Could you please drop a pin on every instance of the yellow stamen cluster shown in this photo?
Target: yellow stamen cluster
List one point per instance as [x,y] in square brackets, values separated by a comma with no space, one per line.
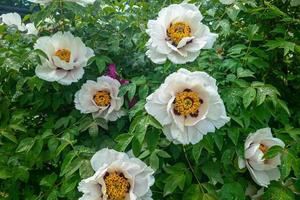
[117,186]
[63,54]
[102,98]
[177,31]
[187,103]
[263,148]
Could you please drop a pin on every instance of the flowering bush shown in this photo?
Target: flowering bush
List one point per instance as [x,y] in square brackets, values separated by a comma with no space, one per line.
[142,100]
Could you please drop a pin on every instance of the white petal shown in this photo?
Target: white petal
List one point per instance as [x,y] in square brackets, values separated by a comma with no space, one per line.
[106,157]
[90,188]
[274,174]
[159,112]
[194,135]
[83,100]
[195,46]
[184,41]
[44,44]
[156,57]
[113,116]
[49,74]
[205,126]
[260,177]
[31,29]
[13,19]
[272,142]
[72,76]
[251,150]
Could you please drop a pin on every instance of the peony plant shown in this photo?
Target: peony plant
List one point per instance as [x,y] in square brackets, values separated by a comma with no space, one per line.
[142,100]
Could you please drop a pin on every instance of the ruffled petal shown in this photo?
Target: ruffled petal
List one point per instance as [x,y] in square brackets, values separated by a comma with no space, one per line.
[106,157]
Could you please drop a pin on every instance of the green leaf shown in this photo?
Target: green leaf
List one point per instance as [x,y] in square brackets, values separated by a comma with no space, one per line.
[193,193]
[251,31]
[49,180]
[9,135]
[272,152]
[93,130]
[208,197]
[72,168]
[261,96]
[153,122]
[152,140]
[249,96]
[280,43]
[162,154]
[35,83]
[101,62]
[208,143]
[241,73]
[128,88]
[278,193]
[218,140]
[123,141]
[141,80]
[213,171]
[67,162]
[25,145]
[230,191]
[290,161]
[68,185]
[284,106]
[234,134]
[172,182]
[196,151]
[53,195]
[154,161]
[86,169]
[237,49]
[5,172]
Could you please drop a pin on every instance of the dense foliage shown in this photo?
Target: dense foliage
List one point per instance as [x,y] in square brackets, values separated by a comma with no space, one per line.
[46,144]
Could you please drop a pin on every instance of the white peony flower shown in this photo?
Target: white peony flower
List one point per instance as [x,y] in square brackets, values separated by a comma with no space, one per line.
[178,34]
[14,19]
[188,106]
[81,2]
[66,57]
[100,98]
[262,170]
[117,176]
[227,2]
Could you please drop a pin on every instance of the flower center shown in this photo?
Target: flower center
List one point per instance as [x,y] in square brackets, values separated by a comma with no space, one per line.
[187,103]
[63,54]
[177,31]
[117,186]
[102,98]
[263,148]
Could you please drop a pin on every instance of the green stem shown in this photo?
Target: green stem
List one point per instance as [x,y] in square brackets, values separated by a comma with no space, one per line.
[192,169]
